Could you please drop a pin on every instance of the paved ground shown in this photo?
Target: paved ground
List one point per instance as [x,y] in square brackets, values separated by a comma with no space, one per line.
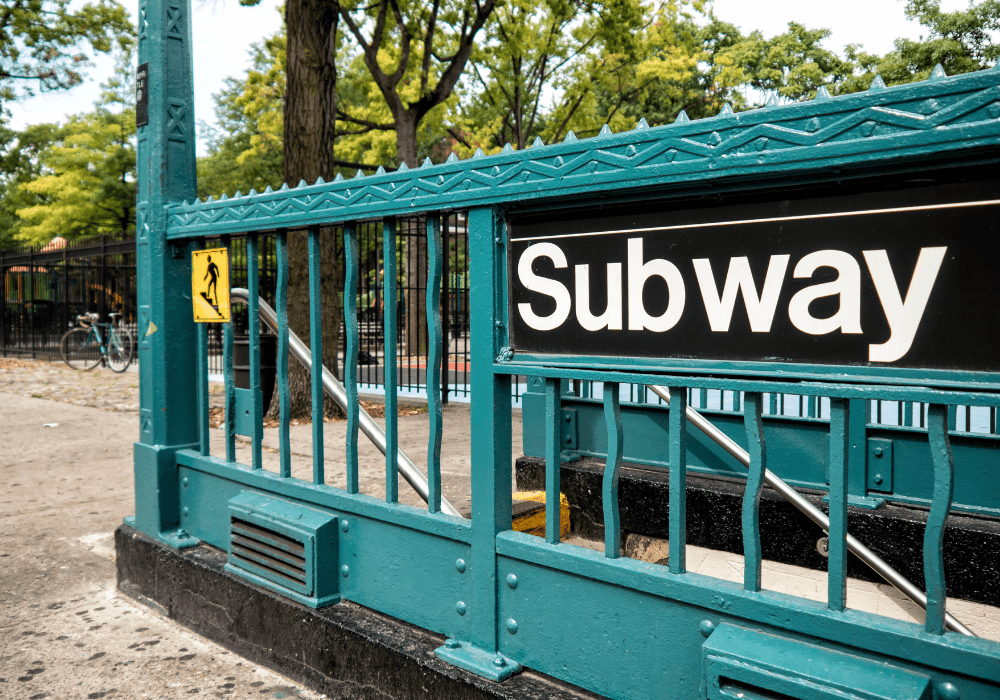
[65,465]
[66,468]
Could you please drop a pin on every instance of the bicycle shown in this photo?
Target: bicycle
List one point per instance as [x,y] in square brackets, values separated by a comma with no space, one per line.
[84,347]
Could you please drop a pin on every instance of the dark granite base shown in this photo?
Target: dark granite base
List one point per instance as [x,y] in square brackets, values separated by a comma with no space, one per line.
[895,533]
[345,651]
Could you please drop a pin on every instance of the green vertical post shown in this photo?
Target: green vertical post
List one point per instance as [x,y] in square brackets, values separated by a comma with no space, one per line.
[166,330]
[203,427]
[757,448]
[253,323]
[612,469]
[316,355]
[553,459]
[491,425]
[938,418]
[227,373]
[435,351]
[284,398]
[840,416]
[677,512]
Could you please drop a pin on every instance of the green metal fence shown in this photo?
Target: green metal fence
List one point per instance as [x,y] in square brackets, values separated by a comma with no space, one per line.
[619,627]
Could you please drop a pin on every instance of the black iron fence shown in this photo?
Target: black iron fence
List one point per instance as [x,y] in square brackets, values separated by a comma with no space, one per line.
[411,285]
[44,289]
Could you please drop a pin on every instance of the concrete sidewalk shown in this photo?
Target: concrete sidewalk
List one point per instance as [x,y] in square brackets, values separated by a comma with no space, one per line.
[65,631]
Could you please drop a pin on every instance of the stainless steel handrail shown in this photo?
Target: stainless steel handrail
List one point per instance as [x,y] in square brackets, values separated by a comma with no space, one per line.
[338,393]
[862,552]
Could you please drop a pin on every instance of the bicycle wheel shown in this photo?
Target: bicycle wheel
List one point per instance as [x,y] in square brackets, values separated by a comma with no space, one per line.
[119,349]
[80,349]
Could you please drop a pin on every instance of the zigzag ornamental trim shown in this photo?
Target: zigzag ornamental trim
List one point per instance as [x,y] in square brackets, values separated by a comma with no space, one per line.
[882,125]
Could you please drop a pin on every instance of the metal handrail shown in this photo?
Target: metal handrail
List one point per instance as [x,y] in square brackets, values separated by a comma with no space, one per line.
[338,393]
[877,564]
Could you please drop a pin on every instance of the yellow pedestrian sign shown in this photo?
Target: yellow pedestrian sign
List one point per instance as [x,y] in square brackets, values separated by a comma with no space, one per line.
[210,285]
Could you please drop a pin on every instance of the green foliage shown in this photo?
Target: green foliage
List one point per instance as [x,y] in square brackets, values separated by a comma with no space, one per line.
[40,42]
[82,175]
[961,41]
[245,148]
[19,165]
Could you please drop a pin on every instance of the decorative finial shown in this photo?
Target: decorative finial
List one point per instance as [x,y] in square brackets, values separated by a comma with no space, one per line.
[570,137]
[726,110]
[507,148]
[772,101]
[252,192]
[402,167]
[452,158]
[338,178]
[537,142]
[302,183]
[358,175]
[822,93]
[427,163]
[605,131]
[320,181]
[284,185]
[268,190]
[877,84]
[479,153]
[380,171]
[641,125]
[682,117]
[938,73]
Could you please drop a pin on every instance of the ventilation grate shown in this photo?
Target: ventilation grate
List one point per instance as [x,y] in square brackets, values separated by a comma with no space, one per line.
[282,557]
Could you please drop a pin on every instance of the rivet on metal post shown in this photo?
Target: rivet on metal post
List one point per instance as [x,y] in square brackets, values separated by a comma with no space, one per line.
[512,625]
[460,607]
[512,580]
[344,525]
[345,570]
[460,565]
[706,627]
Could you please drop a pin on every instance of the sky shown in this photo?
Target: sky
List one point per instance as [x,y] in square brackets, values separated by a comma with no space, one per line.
[223,32]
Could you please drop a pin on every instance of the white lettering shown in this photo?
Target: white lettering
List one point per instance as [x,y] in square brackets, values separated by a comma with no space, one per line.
[638,273]
[847,286]
[760,310]
[612,317]
[543,285]
[903,316]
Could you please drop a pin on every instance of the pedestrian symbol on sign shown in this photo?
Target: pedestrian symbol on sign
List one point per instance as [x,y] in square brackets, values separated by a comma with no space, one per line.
[210,285]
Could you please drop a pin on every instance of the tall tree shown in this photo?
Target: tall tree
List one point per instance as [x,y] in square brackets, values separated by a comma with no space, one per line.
[40,42]
[19,165]
[416,53]
[87,179]
[533,50]
[961,41]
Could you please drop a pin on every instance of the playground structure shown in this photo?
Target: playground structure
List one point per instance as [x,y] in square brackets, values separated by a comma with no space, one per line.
[765,186]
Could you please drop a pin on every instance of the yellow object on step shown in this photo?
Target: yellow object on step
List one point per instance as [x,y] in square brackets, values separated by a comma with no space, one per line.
[528,513]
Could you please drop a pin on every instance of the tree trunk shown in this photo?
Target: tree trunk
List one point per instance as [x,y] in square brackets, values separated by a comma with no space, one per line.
[310,106]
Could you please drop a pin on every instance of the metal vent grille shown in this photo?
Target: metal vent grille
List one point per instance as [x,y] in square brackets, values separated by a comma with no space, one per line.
[282,557]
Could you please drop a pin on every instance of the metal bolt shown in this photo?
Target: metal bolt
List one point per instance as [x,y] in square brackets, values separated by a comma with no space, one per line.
[460,607]
[184,481]
[512,580]
[499,661]
[512,625]
[947,691]
[706,628]
[878,478]
[823,546]
[878,451]
[452,644]
[498,240]
[568,439]
[184,510]
[460,565]
[568,419]
[345,570]
[498,324]
[344,525]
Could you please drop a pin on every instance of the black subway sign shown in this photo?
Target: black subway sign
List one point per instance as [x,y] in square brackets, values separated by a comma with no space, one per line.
[906,278]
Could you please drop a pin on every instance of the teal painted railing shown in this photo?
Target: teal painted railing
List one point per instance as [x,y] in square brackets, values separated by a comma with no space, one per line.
[616,626]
